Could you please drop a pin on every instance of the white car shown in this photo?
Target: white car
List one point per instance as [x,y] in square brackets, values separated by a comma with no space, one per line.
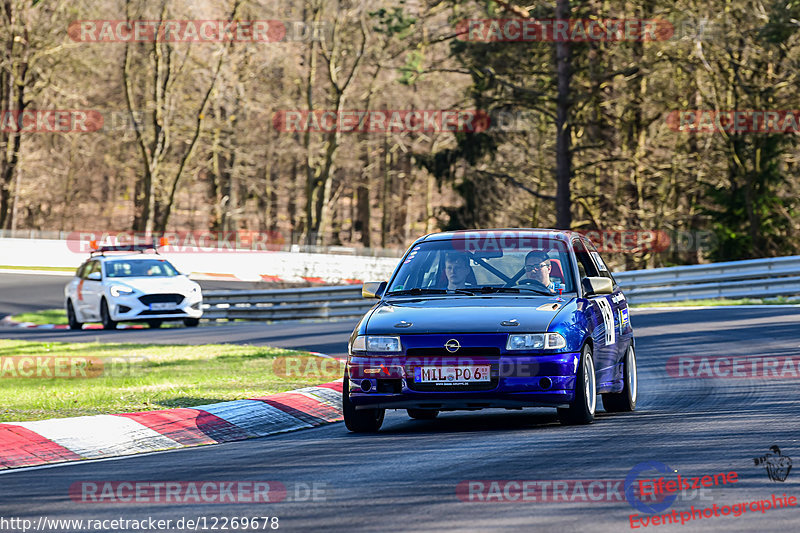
[134,287]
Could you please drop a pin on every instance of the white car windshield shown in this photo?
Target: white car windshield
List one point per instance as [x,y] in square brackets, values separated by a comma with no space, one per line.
[522,264]
[140,268]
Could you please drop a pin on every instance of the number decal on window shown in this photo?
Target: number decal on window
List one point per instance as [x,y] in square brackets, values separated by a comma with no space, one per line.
[599,262]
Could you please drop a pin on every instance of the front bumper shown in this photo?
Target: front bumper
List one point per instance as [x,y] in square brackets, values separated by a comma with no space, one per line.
[516,381]
[130,308]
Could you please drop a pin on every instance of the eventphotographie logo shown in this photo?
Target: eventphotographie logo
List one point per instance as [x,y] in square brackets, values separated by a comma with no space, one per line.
[777,466]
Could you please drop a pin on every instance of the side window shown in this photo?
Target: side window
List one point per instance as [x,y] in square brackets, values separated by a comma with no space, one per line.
[604,270]
[586,266]
[92,266]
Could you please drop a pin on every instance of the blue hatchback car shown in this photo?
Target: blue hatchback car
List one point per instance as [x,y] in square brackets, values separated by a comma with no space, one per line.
[504,318]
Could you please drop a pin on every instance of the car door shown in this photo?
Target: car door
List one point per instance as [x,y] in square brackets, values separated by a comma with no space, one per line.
[602,317]
[619,307]
[90,291]
[76,289]
[71,291]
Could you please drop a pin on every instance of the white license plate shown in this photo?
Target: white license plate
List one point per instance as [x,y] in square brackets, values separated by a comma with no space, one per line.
[452,374]
[162,306]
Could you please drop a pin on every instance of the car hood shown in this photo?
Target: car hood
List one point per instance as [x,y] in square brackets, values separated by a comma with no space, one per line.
[177,284]
[473,314]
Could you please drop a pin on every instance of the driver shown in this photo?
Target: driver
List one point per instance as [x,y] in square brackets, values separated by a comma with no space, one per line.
[537,268]
[456,268]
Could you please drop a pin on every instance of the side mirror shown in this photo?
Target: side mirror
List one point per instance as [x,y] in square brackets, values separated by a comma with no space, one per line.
[373,289]
[94,276]
[597,285]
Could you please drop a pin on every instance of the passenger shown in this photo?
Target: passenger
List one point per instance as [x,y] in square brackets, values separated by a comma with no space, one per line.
[456,268]
[537,270]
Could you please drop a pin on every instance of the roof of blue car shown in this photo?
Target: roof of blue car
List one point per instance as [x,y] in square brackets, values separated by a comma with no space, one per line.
[539,232]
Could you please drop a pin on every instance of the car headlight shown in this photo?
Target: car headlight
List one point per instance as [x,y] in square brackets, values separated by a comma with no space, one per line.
[375,343]
[120,290]
[536,341]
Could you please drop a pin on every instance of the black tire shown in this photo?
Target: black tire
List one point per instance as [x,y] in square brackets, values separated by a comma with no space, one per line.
[363,420]
[583,406]
[191,322]
[625,400]
[423,414]
[72,319]
[155,324]
[105,316]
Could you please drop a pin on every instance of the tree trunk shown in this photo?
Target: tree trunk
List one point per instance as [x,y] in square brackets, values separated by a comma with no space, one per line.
[563,126]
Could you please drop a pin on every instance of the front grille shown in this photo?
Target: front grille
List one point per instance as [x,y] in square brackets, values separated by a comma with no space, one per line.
[464,351]
[148,299]
[162,312]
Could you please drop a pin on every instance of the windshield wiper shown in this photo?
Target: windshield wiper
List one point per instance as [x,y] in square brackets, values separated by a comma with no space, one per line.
[416,291]
[489,289]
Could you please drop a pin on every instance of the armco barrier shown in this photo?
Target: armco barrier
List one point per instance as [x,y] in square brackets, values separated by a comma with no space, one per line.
[754,278]
[757,278]
[286,304]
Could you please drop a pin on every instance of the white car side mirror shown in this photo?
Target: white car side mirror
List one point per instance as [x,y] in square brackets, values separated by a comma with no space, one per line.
[94,276]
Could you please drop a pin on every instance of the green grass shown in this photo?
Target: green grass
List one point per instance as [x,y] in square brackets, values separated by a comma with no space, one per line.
[48,316]
[781,300]
[59,317]
[53,269]
[141,377]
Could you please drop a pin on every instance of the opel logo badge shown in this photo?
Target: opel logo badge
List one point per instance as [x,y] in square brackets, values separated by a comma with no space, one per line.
[452,346]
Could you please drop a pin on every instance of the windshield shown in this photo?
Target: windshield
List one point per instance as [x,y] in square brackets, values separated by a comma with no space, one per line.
[140,268]
[520,264]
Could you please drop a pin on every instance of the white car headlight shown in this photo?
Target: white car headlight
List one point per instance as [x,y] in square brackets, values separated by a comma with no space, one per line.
[375,343]
[536,341]
[120,290]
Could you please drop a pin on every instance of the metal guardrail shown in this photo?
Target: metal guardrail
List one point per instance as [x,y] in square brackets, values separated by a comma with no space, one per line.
[757,278]
[754,278]
[286,304]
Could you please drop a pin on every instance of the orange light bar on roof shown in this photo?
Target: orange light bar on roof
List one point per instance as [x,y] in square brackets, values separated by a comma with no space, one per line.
[163,241]
[93,245]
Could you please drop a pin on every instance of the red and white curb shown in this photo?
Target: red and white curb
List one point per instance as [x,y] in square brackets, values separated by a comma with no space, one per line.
[101,436]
